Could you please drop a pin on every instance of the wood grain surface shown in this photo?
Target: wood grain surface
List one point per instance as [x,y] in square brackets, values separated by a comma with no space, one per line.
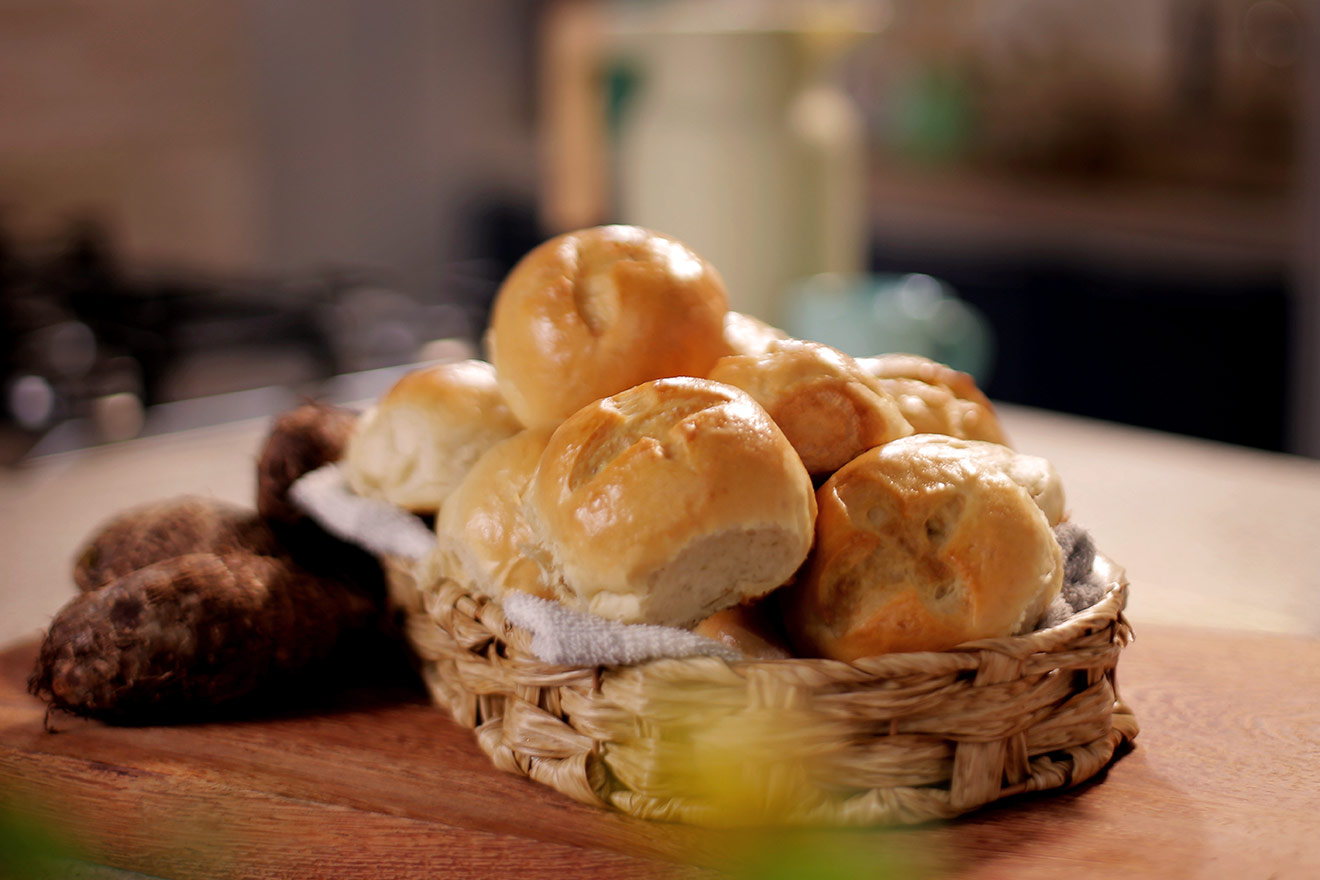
[368,780]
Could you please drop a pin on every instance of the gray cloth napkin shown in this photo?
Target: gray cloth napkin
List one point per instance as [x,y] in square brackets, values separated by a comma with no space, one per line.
[374,525]
[563,636]
[1081,588]
[566,637]
[560,635]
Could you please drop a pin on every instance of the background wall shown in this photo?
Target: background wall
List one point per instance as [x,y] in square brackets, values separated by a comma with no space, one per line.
[1142,176]
[138,112]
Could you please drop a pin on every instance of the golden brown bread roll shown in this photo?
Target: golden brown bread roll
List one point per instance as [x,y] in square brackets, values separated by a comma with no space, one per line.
[744,334]
[746,629]
[829,409]
[594,312]
[1033,473]
[483,538]
[922,544]
[935,398]
[670,501]
[419,440]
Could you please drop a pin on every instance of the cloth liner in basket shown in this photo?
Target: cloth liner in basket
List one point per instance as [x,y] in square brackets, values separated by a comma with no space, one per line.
[892,739]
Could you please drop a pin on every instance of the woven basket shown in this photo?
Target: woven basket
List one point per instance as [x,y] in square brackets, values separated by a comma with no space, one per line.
[895,739]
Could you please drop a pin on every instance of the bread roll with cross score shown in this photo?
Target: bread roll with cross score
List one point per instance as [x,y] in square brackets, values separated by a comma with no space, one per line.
[668,502]
[591,313]
[935,398]
[827,406]
[924,543]
[663,501]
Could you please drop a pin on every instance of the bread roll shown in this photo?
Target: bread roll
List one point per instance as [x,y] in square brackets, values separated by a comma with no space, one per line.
[829,409]
[415,445]
[935,398]
[744,334]
[670,501]
[922,544]
[1033,473]
[746,629]
[591,313]
[483,538]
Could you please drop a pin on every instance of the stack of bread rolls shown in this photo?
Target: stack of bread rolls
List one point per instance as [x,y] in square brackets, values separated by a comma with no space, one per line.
[636,450]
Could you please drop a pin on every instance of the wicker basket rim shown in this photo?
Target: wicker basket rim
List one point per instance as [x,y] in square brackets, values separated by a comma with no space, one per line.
[961,656]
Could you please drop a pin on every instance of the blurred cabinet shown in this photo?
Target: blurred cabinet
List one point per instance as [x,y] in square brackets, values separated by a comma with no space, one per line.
[1127,191]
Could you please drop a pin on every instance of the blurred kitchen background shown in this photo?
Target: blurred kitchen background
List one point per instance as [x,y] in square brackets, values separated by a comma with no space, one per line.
[210,210]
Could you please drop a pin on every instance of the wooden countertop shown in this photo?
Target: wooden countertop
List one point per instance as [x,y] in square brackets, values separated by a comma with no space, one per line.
[1224,678]
[1224,781]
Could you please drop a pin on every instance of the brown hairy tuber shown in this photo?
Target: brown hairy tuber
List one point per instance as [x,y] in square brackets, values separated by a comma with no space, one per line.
[192,603]
[161,530]
[192,632]
[300,441]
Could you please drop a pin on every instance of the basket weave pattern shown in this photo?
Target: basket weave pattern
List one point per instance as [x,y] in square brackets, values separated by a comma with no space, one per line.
[895,739]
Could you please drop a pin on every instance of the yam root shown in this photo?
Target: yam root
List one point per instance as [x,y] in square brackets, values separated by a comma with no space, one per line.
[162,530]
[300,440]
[192,603]
[192,633]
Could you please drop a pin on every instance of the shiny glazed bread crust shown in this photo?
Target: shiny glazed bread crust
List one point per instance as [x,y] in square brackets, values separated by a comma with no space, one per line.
[483,538]
[670,501]
[922,544]
[745,334]
[594,312]
[830,410]
[936,398]
[415,445]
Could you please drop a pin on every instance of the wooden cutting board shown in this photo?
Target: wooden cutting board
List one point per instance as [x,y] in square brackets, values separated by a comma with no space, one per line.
[367,780]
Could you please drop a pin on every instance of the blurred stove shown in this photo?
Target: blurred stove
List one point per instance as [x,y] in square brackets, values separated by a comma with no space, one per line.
[92,351]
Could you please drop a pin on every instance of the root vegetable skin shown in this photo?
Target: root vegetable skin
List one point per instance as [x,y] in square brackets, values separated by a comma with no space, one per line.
[162,530]
[191,632]
[300,440]
[190,603]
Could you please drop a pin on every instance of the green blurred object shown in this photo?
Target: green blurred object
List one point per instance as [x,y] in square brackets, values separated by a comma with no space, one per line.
[933,116]
[878,314]
[841,858]
[622,79]
[27,849]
